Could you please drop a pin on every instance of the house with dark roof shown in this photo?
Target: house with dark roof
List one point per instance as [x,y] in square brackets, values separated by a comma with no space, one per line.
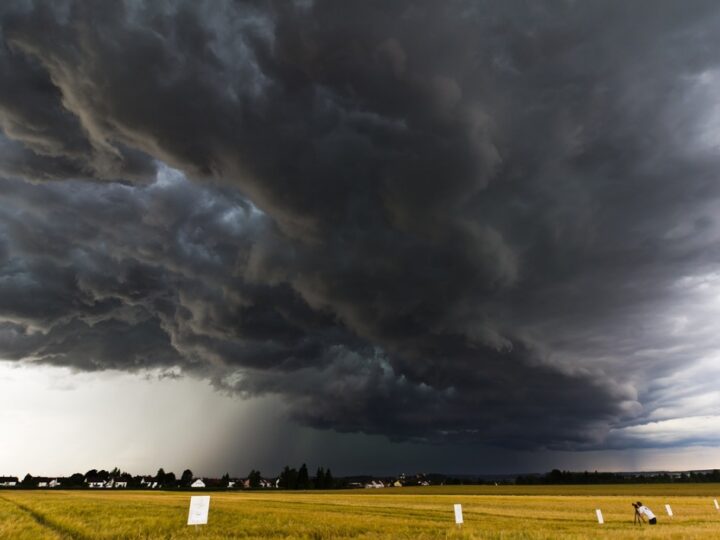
[8,481]
[95,482]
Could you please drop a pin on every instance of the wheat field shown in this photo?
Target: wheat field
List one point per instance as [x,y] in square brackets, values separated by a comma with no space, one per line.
[503,512]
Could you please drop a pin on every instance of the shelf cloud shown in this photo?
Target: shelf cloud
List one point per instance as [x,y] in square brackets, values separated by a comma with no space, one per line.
[439,222]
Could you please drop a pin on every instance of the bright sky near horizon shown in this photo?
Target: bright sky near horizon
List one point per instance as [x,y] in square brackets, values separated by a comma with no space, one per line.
[56,422]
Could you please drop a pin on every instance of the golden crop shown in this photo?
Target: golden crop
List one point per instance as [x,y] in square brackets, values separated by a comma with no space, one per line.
[507,512]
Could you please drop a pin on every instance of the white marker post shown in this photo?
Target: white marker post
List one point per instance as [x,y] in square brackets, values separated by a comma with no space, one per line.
[599,516]
[458,515]
[668,510]
[199,508]
[717,506]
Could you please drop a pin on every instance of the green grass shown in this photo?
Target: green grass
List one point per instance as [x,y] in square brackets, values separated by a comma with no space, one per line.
[503,512]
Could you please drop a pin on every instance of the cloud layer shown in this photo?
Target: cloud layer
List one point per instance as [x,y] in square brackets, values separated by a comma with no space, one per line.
[437,222]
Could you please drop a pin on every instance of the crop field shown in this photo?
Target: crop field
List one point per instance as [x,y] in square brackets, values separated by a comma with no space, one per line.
[507,512]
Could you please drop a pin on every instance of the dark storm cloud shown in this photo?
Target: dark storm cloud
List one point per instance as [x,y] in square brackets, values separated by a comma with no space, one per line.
[467,219]
[43,139]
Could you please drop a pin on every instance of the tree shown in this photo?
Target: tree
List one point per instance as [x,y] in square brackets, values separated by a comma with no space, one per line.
[329,481]
[76,480]
[283,478]
[254,478]
[160,476]
[555,477]
[186,478]
[288,478]
[28,481]
[319,481]
[303,479]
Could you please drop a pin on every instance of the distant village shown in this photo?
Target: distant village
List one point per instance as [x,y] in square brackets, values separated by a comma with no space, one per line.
[300,479]
[289,478]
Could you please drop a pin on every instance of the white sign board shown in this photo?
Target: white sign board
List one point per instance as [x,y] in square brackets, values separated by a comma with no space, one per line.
[199,508]
[668,510]
[599,516]
[717,506]
[458,514]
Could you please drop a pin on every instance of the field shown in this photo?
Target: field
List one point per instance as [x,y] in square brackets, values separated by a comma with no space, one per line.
[507,512]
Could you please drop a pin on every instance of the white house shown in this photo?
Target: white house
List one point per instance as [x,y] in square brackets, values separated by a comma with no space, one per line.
[54,483]
[8,481]
[96,484]
[120,484]
[375,484]
[198,483]
[42,484]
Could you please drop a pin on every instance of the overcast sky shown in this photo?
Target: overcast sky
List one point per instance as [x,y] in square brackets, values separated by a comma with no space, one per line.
[376,236]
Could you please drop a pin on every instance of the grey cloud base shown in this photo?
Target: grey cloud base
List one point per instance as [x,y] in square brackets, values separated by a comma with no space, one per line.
[442,226]
[169,283]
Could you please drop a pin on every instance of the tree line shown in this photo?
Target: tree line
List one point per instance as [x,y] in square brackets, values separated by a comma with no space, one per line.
[557,476]
[289,478]
[299,479]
